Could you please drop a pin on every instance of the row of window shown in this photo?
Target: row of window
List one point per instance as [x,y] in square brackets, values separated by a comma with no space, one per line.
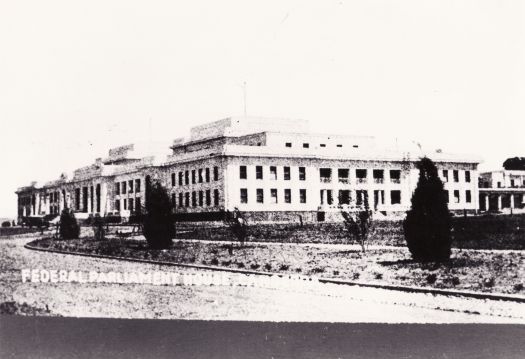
[127,187]
[259,194]
[131,204]
[457,197]
[361,196]
[243,173]
[197,176]
[455,176]
[197,199]
[307,145]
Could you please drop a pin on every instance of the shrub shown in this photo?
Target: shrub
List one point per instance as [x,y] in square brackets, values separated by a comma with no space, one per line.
[237,224]
[98,228]
[427,225]
[268,266]
[357,222]
[6,224]
[69,228]
[158,226]
[214,261]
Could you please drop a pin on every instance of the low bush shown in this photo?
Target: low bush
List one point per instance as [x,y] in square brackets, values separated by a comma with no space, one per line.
[6,224]
[69,228]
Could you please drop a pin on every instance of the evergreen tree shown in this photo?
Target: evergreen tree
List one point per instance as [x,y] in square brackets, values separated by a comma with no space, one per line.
[158,226]
[69,228]
[428,223]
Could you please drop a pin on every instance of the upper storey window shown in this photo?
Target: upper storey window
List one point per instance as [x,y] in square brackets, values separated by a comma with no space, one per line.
[288,144]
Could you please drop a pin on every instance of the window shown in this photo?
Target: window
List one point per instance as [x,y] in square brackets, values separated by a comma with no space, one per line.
[378,176]
[117,205]
[325,174]
[456,175]
[186,177]
[194,199]
[244,195]
[208,197]
[138,207]
[467,176]
[216,197]
[187,199]
[258,172]
[273,173]
[123,187]
[339,145]
[306,145]
[322,145]
[242,172]
[379,198]
[207,175]
[193,177]
[512,183]
[288,144]
[260,195]
[360,175]
[201,198]
[395,197]
[181,195]
[456,196]
[125,202]
[445,175]
[130,186]
[468,196]
[302,173]
[200,176]
[342,174]
[344,197]
[286,171]
[77,199]
[173,180]
[360,197]
[216,174]
[137,185]
[273,195]
[180,178]
[131,203]
[355,146]
[395,176]
[329,197]
[117,188]
[302,196]
[287,195]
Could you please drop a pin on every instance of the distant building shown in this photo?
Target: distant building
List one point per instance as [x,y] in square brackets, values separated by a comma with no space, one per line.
[273,170]
[502,190]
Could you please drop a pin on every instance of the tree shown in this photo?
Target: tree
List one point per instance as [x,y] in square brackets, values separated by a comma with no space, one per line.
[514,163]
[68,227]
[237,225]
[357,221]
[427,225]
[98,227]
[158,226]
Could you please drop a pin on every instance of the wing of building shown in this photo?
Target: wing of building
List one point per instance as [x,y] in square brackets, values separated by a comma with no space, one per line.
[271,169]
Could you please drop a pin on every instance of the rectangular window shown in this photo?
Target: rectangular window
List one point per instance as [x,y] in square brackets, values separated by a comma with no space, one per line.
[287,195]
[467,176]
[456,196]
[339,145]
[360,175]
[361,196]
[208,197]
[186,177]
[286,171]
[130,186]
[242,172]
[329,197]
[117,188]
[194,199]
[201,179]
[288,144]
[378,176]
[131,204]
[322,145]
[125,203]
[302,173]
[201,198]
[306,145]
[180,178]
[137,185]
[216,197]
[344,197]
[325,174]
[244,195]
[273,173]
[85,199]
[273,195]
[468,196]
[123,187]
[117,205]
[342,174]
[445,175]
[395,176]
[187,199]
[395,197]
[181,196]
[77,199]
[260,195]
[173,180]
[456,175]
[193,177]
[207,175]
[216,174]
[302,195]
[138,206]
[258,172]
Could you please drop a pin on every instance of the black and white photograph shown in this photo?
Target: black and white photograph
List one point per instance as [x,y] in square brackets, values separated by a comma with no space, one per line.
[346,170]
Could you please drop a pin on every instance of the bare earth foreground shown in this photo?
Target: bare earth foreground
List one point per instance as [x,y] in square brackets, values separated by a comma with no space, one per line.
[297,302]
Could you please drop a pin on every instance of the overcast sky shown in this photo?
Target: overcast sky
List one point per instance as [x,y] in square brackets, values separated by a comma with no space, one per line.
[77,78]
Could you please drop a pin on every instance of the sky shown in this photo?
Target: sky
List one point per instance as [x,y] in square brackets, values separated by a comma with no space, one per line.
[77,78]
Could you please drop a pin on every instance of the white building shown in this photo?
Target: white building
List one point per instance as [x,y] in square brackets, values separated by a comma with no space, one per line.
[502,190]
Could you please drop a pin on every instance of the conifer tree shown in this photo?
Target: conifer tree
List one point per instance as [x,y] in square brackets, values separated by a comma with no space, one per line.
[158,226]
